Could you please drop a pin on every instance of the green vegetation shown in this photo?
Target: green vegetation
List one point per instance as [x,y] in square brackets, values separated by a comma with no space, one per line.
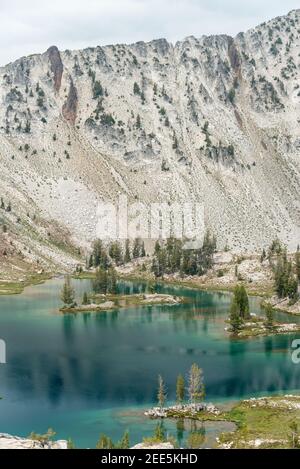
[287,275]
[171,257]
[105,281]
[138,249]
[180,389]
[103,256]
[106,442]
[239,309]
[273,422]
[97,90]
[231,95]
[161,393]
[269,316]
[44,439]
[160,436]
[16,288]
[136,89]
[68,293]
[107,120]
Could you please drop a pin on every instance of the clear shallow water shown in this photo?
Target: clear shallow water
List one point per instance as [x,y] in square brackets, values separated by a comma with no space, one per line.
[90,373]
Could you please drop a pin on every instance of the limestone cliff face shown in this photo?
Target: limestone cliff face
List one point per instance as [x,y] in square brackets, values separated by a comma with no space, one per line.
[214,119]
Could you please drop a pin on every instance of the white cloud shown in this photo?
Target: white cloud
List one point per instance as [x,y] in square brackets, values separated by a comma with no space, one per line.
[32,26]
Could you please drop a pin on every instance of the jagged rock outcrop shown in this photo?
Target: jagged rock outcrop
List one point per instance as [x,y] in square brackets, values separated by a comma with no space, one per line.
[57,67]
[213,120]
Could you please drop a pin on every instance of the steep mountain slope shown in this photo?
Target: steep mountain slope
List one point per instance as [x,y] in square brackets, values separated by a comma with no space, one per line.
[213,120]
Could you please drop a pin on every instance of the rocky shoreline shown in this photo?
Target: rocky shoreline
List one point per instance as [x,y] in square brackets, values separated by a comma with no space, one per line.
[110,302]
[183,410]
[15,442]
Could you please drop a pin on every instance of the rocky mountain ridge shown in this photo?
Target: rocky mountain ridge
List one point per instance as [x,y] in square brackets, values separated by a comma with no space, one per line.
[212,120]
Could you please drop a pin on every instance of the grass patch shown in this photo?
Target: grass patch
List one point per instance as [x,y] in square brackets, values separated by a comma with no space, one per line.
[267,420]
[16,288]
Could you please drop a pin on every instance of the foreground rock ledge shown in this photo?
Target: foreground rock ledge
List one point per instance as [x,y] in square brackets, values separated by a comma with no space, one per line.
[15,442]
[154,446]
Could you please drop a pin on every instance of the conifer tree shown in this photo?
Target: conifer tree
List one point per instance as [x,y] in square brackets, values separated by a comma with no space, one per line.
[104,442]
[100,283]
[125,441]
[161,393]
[297,261]
[127,256]
[234,318]
[160,432]
[85,300]
[180,389]
[269,316]
[67,293]
[112,280]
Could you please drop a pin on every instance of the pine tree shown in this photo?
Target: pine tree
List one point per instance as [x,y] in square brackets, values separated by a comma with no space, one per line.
[67,293]
[138,122]
[161,393]
[180,389]
[297,260]
[115,252]
[234,318]
[125,441]
[136,89]
[100,283]
[136,252]
[269,316]
[100,257]
[196,388]
[97,90]
[112,280]
[127,256]
[160,432]
[104,442]
[90,262]
[243,301]
[85,300]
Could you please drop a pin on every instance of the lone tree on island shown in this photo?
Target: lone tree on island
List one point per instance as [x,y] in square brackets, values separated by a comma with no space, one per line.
[68,293]
[234,318]
[239,309]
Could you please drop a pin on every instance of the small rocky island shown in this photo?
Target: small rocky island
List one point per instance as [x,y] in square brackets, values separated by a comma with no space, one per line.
[188,411]
[243,324]
[256,326]
[97,303]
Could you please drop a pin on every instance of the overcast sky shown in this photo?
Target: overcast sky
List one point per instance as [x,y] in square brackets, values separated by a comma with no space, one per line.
[30,26]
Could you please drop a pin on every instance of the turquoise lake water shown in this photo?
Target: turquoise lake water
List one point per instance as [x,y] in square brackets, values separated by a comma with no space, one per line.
[91,373]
